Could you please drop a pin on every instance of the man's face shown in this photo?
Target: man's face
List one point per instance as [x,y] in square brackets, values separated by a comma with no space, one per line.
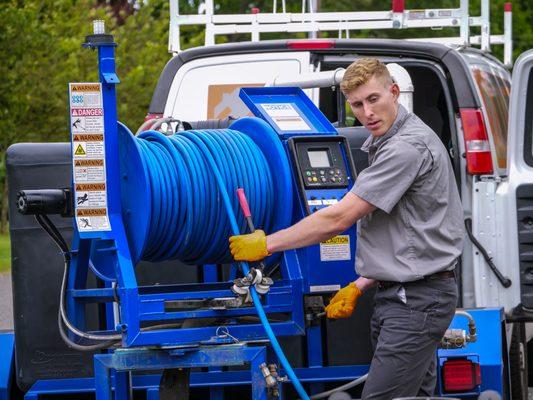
[375,104]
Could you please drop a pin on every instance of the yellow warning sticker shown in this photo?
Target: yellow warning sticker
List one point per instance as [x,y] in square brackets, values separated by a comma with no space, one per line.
[80,151]
[336,249]
[341,239]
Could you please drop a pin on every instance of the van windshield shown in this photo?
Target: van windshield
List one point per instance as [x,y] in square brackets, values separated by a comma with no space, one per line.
[494,85]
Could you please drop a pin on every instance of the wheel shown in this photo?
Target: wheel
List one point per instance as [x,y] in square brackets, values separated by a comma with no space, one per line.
[518,363]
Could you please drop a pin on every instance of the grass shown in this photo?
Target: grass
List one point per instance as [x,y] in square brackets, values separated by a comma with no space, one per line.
[5,253]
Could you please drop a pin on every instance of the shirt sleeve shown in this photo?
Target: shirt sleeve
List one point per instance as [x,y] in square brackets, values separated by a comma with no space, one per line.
[394,169]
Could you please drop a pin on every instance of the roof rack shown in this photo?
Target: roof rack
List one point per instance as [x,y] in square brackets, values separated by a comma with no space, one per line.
[312,22]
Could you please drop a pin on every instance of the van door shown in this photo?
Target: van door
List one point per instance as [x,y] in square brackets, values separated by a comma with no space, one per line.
[208,88]
[502,207]
[519,224]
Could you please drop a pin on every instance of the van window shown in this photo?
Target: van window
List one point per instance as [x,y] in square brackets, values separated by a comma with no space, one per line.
[494,87]
[528,132]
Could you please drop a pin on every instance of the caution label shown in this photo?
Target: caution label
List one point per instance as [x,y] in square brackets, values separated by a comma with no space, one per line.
[336,249]
[88,156]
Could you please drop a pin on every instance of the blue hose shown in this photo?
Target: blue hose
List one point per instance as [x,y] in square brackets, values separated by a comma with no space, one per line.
[186,220]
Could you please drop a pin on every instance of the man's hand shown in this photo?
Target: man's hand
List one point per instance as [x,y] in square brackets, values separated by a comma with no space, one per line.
[344,301]
[251,247]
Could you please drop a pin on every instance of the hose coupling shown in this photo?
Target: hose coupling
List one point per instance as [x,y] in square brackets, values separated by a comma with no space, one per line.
[269,379]
[241,286]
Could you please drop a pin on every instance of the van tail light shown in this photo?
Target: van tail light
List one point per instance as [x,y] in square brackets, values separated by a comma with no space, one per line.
[460,375]
[313,44]
[478,154]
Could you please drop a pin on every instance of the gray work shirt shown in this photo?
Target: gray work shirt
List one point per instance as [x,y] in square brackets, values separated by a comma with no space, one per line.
[417,227]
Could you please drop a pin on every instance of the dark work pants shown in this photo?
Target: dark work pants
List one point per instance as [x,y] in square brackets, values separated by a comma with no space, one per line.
[409,322]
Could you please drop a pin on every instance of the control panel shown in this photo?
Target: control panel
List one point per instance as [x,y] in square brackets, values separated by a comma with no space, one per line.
[324,169]
[322,164]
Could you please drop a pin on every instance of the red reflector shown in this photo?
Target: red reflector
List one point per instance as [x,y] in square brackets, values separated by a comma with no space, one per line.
[460,375]
[398,6]
[477,146]
[310,44]
[508,7]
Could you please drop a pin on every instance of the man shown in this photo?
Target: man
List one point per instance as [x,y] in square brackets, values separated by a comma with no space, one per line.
[410,234]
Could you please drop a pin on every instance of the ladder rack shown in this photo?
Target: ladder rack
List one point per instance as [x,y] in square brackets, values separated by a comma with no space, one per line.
[312,22]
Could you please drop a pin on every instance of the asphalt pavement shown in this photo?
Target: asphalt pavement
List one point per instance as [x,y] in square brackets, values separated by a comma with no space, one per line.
[6,302]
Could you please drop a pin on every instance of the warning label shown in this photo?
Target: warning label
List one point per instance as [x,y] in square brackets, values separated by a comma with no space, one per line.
[88,150]
[89,174]
[89,163]
[84,87]
[91,224]
[87,112]
[335,249]
[89,171]
[90,186]
[90,199]
[91,212]
[88,138]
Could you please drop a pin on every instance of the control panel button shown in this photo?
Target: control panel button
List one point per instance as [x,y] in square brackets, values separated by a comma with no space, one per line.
[315,179]
[308,173]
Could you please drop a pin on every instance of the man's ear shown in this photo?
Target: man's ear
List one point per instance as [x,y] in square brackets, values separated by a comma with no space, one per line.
[395,90]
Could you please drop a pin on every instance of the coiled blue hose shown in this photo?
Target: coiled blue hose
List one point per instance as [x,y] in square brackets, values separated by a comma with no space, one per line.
[187,222]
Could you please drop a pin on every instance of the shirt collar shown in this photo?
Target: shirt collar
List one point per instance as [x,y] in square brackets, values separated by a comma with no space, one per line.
[398,122]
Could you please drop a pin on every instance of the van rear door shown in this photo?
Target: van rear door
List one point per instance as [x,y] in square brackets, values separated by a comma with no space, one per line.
[519,223]
[208,88]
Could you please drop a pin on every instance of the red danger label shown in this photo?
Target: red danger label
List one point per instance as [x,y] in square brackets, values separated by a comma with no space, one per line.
[87,112]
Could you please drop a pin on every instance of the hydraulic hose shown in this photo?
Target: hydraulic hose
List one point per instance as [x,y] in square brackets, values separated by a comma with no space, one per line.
[186,221]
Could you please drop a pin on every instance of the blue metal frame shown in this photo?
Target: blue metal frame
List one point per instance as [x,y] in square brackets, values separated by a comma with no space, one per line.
[7,363]
[126,360]
[216,378]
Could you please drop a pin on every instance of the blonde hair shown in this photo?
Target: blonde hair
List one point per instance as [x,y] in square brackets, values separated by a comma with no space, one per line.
[361,71]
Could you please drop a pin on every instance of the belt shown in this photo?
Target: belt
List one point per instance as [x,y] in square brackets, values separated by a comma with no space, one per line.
[436,275]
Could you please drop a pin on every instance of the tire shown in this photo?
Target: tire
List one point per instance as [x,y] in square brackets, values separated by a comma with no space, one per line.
[518,363]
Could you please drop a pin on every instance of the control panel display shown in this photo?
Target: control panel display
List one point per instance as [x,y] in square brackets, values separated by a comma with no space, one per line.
[321,164]
[318,158]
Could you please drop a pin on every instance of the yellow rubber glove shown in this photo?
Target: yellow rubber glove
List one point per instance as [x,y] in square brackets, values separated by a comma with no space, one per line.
[251,247]
[344,301]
